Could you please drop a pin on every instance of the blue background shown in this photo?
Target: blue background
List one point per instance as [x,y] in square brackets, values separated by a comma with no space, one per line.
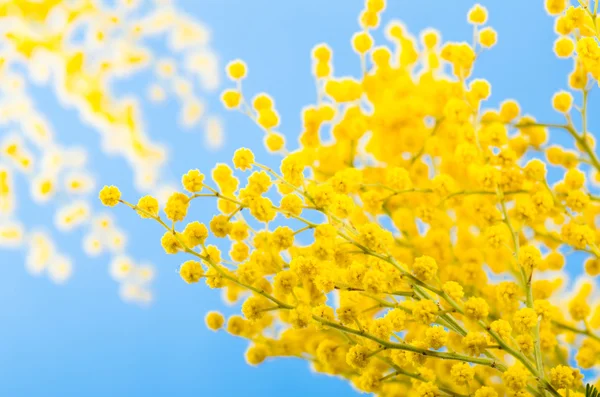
[82,340]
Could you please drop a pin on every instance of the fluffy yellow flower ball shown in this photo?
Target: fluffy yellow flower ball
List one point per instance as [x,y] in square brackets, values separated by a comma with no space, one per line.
[236,70]
[110,196]
[214,320]
[148,206]
[193,181]
[477,15]
[191,272]
[243,159]
[562,101]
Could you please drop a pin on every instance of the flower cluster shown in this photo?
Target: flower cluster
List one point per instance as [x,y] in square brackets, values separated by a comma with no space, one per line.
[413,243]
[80,51]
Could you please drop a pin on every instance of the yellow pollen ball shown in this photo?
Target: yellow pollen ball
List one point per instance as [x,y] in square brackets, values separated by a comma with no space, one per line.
[477,15]
[236,70]
[362,42]
[110,196]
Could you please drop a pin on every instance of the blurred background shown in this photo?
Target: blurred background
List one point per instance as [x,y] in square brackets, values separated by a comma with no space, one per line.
[80,338]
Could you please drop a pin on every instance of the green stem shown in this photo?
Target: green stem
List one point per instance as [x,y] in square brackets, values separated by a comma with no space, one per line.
[571,328]
[406,347]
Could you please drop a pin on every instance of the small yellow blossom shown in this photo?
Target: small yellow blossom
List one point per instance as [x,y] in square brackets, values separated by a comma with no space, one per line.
[436,337]
[525,319]
[236,70]
[110,196]
[191,271]
[425,311]
[462,373]
[563,377]
[476,308]
[195,233]
[362,42]
[220,226]
[477,15]
[148,206]
[515,378]
[562,101]
[243,159]
[214,320]
[358,356]
[231,99]
[193,181]
[564,47]
[170,243]
[488,37]
[177,207]
[256,354]
[425,268]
